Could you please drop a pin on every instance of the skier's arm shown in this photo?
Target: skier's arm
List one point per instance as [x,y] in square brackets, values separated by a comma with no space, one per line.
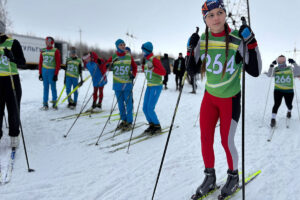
[296,68]
[57,61]
[101,64]
[253,61]
[80,71]
[271,71]
[158,67]
[40,63]
[134,67]
[18,53]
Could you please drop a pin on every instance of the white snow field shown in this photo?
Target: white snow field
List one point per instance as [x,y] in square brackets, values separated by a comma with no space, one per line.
[71,169]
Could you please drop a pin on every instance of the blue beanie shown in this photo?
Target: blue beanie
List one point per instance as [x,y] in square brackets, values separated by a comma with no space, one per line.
[210,5]
[147,48]
[118,42]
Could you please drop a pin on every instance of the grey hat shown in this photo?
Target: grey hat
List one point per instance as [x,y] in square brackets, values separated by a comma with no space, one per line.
[2,27]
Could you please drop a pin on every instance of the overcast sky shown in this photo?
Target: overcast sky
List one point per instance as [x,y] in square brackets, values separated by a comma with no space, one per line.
[166,23]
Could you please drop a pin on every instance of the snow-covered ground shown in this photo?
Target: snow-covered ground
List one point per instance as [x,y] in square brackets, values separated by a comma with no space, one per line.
[72,169]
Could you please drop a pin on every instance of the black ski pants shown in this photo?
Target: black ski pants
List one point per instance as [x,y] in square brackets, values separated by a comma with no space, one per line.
[288,97]
[7,99]
[178,80]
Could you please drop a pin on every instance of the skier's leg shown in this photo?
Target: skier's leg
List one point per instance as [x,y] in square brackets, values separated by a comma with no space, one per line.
[53,85]
[121,101]
[277,102]
[101,94]
[209,115]
[230,110]
[12,108]
[288,97]
[75,83]
[46,86]
[68,87]
[128,103]
[2,103]
[154,96]
[145,104]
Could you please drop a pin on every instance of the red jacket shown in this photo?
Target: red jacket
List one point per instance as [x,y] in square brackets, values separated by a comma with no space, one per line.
[133,64]
[158,67]
[57,61]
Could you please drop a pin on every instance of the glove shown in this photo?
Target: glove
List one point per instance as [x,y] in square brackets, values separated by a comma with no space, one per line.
[143,61]
[65,80]
[115,59]
[131,76]
[80,83]
[291,61]
[41,77]
[99,61]
[193,41]
[273,63]
[8,54]
[246,34]
[55,78]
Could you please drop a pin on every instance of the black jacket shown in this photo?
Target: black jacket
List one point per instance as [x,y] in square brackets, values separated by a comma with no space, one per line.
[180,61]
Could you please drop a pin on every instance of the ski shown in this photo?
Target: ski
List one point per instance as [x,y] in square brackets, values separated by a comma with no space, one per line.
[10,166]
[211,194]
[118,132]
[138,139]
[247,180]
[85,113]
[271,134]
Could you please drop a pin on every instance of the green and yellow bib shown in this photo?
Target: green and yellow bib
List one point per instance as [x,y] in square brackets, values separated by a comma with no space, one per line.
[49,58]
[284,79]
[72,68]
[122,69]
[7,68]
[153,79]
[229,85]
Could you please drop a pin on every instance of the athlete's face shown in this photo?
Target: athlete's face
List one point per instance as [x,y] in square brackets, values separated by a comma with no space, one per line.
[281,60]
[215,20]
[122,46]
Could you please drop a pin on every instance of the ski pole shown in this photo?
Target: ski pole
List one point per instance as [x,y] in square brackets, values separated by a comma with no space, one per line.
[172,123]
[197,119]
[5,120]
[243,113]
[18,112]
[297,101]
[83,107]
[60,94]
[136,115]
[262,121]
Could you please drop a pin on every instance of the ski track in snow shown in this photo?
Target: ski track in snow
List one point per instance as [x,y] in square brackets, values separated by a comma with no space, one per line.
[69,168]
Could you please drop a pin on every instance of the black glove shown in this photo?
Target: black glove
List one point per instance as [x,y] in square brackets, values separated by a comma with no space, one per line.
[274,62]
[8,54]
[55,78]
[291,61]
[246,34]
[41,77]
[131,76]
[80,83]
[193,41]
[65,80]
[99,61]
[115,59]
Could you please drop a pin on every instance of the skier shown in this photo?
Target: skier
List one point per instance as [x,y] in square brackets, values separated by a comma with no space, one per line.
[166,64]
[49,66]
[124,71]
[154,71]
[284,85]
[219,53]
[11,56]
[97,69]
[73,71]
[179,69]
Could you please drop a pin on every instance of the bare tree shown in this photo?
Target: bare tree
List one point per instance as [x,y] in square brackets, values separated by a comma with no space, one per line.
[4,14]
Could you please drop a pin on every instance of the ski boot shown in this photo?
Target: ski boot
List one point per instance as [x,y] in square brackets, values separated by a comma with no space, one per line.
[121,125]
[273,123]
[99,105]
[127,127]
[208,185]
[69,105]
[148,130]
[231,185]
[156,128]
[45,107]
[54,106]
[14,141]
[289,114]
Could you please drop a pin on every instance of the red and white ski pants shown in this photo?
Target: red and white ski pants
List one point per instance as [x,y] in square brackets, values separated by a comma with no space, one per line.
[228,111]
